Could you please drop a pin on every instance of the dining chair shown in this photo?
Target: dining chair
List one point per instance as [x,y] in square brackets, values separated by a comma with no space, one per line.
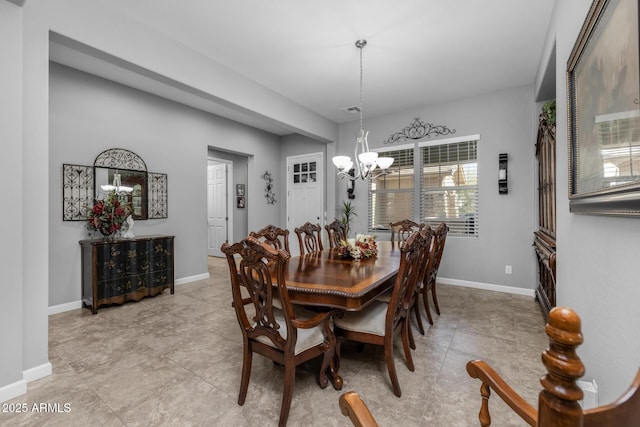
[401,230]
[275,236]
[309,238]
[426,262]
[288,337]
[429,282]
[379,323]
[558,401]
[336,231]
[352,406]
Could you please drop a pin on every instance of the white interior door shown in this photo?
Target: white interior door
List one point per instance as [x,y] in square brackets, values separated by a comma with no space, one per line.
[217,219]
[305,194]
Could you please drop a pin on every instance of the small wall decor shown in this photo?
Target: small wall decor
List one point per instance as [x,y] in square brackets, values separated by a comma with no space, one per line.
[240,202]
[503,159]
[418,130]
[239,189]
[268,188]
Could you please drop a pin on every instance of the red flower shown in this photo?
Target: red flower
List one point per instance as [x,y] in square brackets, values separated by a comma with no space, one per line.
[98,208]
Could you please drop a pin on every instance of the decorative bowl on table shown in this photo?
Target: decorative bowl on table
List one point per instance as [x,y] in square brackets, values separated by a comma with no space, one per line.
[363,246]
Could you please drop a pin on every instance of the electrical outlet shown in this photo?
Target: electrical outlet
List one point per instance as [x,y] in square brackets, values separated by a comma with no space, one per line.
[507,269]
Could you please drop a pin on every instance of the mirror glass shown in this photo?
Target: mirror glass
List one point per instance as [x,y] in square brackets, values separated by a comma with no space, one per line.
[133,181]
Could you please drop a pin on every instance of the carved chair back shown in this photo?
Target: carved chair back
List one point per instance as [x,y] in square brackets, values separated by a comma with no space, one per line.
[401,230]
[336,231]
[275,236]
[309,238]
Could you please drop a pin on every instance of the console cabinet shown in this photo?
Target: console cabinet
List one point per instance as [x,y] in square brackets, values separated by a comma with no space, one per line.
[120,270]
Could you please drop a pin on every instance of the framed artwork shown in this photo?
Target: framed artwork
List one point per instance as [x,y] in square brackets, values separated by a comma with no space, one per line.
[603,82]
[239,189]
[240,202]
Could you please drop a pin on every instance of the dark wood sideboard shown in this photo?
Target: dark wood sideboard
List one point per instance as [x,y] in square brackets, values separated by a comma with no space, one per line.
[120,270]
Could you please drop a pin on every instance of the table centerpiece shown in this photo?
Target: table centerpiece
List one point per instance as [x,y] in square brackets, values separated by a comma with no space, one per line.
[363,246]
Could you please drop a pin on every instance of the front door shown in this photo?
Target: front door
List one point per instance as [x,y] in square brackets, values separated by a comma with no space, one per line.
[217,220]
[305,194]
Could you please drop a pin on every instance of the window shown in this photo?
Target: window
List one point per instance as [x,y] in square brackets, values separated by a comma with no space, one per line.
[392,195]
[449,184]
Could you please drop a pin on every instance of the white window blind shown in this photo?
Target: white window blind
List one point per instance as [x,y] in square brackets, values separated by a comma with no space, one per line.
[449,186]
[391,195]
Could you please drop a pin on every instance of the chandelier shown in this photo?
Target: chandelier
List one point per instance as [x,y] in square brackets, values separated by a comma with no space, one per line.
[366,161]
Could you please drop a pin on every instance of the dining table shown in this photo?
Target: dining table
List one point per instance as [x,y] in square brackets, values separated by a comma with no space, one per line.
[327,280]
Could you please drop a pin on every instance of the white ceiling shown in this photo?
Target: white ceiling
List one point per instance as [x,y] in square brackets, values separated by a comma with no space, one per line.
[419,52]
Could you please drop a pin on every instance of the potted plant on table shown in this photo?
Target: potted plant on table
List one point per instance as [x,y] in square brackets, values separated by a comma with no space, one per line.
[347,213]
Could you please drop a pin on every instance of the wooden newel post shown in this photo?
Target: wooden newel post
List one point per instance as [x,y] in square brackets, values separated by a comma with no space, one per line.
[558,401]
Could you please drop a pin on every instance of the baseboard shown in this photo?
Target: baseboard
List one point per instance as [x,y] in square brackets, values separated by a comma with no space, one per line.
[12,390]
[65,307]
[61,308]
[195,278]
[487,286]
[19,388]
[38,372]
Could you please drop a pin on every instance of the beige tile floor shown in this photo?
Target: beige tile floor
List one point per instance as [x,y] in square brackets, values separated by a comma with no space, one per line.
[175,360]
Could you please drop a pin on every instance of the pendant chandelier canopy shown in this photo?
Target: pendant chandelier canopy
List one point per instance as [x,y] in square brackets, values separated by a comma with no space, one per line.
[366,161]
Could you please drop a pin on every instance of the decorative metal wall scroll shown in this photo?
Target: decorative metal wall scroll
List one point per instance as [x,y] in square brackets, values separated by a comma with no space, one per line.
[418,130]
[77,192]
[158,203]
[79,184]
[119,158]
[268,188]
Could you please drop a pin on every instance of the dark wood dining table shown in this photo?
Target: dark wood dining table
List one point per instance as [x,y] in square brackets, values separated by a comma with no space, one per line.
[327,281]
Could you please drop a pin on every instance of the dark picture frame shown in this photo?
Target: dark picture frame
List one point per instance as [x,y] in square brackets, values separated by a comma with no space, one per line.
[240,190]
[603,82]
[240,204]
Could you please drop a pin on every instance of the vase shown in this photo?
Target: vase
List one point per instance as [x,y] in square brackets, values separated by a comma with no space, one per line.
[106,232]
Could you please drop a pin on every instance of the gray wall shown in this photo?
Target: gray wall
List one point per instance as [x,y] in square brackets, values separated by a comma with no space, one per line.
[506,123]
[90,114]
[598,270]
[11,226]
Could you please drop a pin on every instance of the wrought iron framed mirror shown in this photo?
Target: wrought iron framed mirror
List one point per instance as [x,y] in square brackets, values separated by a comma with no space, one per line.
[147,196]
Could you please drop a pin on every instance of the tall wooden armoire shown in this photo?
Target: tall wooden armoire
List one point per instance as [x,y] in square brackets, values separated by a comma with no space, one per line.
[545,236]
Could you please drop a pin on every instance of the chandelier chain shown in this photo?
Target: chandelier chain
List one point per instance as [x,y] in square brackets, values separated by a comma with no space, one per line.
[361,90]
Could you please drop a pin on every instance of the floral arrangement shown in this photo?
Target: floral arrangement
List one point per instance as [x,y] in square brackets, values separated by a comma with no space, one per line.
[363,246]
[107,215]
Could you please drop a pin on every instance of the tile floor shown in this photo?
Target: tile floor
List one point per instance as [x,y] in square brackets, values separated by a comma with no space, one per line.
[175,360]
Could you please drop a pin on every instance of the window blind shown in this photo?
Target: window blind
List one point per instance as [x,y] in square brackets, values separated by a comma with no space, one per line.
[449,186]
[391,196]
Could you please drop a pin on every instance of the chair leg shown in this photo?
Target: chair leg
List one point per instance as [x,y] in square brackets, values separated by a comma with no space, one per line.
[327,358]
[435,298]
[287,394]
[416,310]
[406,332]
[246,374]
[388,357]
[412,342]
[425,299]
